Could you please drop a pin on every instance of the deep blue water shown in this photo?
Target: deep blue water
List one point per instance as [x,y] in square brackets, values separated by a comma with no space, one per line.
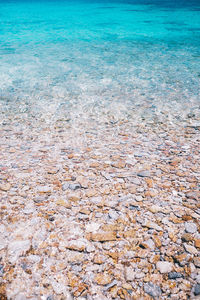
[56,56]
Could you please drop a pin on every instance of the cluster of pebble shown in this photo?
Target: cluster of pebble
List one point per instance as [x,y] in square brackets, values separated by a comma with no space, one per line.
[101,212]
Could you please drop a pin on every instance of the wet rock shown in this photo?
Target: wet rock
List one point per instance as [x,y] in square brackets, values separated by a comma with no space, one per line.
[175,275]
[197,289]
[190,227]
[17,248]
[197,261]
[144,174]
[129,274]
[74,186]
[103,279]
[103,237]
[5,187]
[190,249]
[164,266]
[152,290]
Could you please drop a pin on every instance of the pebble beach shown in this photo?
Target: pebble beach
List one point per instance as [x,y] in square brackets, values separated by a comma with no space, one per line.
[99,150]
[99,210]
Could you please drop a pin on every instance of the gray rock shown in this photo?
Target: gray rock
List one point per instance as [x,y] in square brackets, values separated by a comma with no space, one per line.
[152,290]
[175,275]
[74,186]
[197,289]
[190,227]
[65,186]
[144,174]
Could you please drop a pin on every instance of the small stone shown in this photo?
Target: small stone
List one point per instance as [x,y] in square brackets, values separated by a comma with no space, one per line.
[153,225]
[103,279]
[190,227]
[145,173]
[190,249]
[65,186]
[152,290]
[197,289]
[129,274]
[187,237]
[74,186]
[76,245]
[44,189]
[18,248]
[155,209]
[164,266]
[5,187]
[175,275]
[197,262]
[197,243]
[103,237]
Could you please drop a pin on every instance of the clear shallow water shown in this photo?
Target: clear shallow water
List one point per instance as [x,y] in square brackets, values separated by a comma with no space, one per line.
[59,57]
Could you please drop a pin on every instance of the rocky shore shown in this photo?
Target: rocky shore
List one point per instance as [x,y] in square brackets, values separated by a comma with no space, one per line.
[99,211]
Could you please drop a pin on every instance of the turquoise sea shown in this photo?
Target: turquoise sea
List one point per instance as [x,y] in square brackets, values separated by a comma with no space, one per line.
[131,56]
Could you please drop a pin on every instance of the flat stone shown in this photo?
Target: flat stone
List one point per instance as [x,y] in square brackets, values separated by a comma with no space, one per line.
[5,187]
[164,266]
[103,279]
[145,173]
[103,237]
[152,290]
[190,227]
[44,189]
[175,275]
[152,225]
[190,249]
[76,245]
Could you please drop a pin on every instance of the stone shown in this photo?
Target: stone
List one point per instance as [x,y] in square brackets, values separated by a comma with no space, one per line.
[103,279]
[190,227]
[103,236]
[76,245]
[197,261]
[190,249]
[155,209]
[152,290]
[44,189]
[197,289]
[17,248]
[187,237]
[74,186]
[144,173]
[175,275]
[164,266]
[152,225]
[129,274]
[197,243]
[5,187]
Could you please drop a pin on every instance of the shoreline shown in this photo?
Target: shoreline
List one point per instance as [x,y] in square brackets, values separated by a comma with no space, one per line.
[107,210]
